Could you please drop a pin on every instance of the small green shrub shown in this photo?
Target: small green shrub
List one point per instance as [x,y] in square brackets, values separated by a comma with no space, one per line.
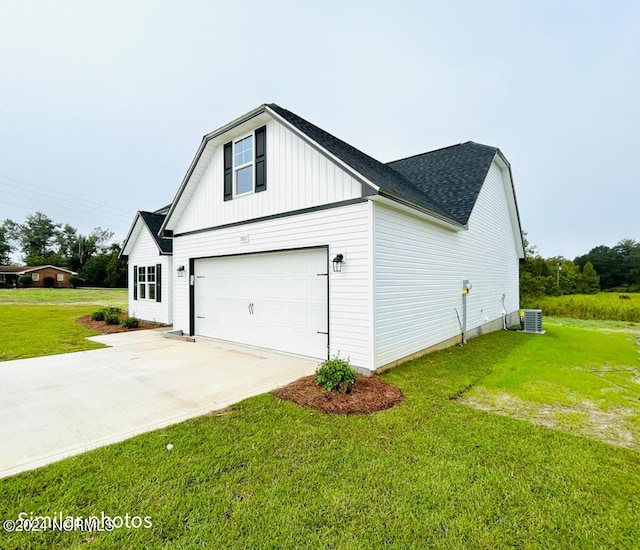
[76,281]
[111,319]
[49,282]
[98,315]
[114,310]
[336,374]
[130,322]
[25,280]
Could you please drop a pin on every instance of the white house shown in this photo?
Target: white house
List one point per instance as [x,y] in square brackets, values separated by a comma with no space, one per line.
[150,267]
[287,238]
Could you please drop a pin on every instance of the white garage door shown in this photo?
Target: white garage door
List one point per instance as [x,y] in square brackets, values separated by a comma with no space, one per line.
[274,300]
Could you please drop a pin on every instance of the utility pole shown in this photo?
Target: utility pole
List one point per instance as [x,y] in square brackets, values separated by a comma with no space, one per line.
[558,271]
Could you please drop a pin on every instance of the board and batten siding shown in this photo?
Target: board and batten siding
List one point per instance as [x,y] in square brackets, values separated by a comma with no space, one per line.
[145,253]
[419,268]
[298,177]
[344,229]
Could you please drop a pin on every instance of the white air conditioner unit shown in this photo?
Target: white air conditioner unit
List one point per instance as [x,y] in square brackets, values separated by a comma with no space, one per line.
[531,321]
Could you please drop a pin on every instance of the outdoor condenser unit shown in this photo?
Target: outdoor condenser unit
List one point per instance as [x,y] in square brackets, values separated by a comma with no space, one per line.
[531,321]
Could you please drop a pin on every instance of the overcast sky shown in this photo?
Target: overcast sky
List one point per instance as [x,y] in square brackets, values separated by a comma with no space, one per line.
[103,103]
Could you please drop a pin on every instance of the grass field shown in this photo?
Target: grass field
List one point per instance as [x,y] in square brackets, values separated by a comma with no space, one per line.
[35,322]
[430,473]
[604,305]
[581,379]
[39,296]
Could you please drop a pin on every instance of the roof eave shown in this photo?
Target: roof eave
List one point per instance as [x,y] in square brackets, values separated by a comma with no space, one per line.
[520,241]
[434,216]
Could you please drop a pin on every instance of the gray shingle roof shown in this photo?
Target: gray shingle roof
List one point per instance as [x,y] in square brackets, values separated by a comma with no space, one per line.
[154,222]
[452,176]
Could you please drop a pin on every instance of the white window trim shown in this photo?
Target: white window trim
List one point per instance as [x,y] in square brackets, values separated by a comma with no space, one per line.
[60,277]
[35,277]
[245,165]
[146,283]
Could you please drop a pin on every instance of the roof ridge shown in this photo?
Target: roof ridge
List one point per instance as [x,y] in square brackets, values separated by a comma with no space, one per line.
[426,153]
[443,149]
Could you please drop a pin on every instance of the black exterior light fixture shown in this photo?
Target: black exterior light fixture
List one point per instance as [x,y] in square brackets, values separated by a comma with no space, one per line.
[180,271]
[337,263]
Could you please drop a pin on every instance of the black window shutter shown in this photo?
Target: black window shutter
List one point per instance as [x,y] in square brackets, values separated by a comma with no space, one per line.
[158,283]
[228,171]
[135,282]
[261,159]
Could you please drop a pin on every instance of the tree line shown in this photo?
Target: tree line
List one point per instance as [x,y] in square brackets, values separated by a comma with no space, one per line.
[41,241]
[601,269]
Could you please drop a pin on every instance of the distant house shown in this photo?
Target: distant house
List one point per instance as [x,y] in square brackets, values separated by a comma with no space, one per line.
[285,237]
[9,275]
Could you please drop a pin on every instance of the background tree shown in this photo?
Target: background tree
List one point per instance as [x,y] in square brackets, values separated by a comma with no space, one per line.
[42,241]
[618,267]
[116,269]
[105,269]
[5,244]
[588,281]
[37,237]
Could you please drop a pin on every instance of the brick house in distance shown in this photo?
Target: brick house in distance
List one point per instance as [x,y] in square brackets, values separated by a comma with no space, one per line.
[9,275]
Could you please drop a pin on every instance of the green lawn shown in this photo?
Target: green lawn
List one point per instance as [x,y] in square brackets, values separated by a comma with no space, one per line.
[36,322]
[578,377]
[430,473]
[104,296]
[32,331]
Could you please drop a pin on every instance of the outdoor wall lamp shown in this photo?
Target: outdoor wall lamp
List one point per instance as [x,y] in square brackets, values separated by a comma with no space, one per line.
[180,271]
[337,263]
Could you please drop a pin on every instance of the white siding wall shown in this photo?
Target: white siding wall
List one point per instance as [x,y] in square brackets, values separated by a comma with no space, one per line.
[419,269]
[145,253]
[297,177]
[345,230]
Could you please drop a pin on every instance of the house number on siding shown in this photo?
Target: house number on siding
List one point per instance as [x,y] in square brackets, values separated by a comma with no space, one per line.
[244,239]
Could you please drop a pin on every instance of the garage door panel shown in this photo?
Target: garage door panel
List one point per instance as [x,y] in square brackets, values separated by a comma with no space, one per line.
[272,300]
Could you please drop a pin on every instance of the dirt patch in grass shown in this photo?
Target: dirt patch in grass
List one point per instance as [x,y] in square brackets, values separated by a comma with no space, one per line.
[370,394]
[102,327]
[585,418]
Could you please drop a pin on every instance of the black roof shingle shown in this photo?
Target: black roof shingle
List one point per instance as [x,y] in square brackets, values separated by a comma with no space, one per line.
[452,176]
[154,223]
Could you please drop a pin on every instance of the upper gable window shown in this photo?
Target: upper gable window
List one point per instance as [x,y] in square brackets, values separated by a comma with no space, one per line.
[245,165]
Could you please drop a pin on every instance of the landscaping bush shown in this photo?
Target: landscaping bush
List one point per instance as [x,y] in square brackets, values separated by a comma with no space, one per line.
[25,280]
[49,282]
[114,310]
[336,374]
[130,322]
[76,281]
[111,319]
[98,315]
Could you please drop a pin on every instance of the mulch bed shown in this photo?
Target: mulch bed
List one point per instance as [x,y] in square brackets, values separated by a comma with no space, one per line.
[102,327]
[370,394]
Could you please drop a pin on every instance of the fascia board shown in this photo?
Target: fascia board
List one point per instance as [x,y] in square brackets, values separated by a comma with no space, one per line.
[418,211]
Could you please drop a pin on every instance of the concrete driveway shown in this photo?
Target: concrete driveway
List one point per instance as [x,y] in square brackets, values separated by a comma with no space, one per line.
[61,405]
